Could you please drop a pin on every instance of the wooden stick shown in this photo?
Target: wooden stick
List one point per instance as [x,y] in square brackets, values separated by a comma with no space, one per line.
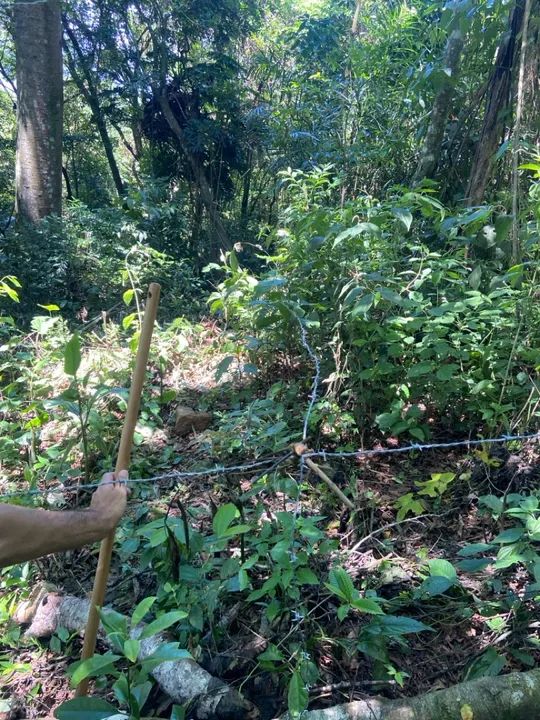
[122,463]
[300,449]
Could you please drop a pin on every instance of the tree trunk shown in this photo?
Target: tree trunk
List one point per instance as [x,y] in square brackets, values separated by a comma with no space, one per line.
[509,697]
[90,94]
[205,190]
[431,150]
[498,103]
[184,681]
[37,33]
[516,136]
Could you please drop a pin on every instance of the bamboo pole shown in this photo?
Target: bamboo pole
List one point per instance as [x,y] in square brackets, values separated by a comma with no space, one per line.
[122,463]
[300,449]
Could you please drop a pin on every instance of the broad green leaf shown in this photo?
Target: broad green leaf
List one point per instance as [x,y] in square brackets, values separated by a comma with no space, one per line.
[442,568]
[475,549]
[305,576]
[131,649]
[271,654]
[341,584]
[400,625]
[96,665]
[50,308]
[489,664]
[224,517]
[85,708]
[508,555]
[128,295]
[360,229]
[434,585]
[404,215]
[297,695]
[141,609]
[178,713]
[475,277]
[72,355]
[162,623]
[168,652]
[472,565]
[367,605]
[511,535]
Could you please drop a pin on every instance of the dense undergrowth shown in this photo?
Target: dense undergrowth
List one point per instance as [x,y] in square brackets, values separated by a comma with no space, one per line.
[423,329]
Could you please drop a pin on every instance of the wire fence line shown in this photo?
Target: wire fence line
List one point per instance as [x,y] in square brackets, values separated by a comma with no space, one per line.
[271,464]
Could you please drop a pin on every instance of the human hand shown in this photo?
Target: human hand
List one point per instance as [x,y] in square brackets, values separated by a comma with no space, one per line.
[109,500]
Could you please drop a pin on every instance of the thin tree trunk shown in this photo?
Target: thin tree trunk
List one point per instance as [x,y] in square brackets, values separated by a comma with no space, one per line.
[498,101]
[198,173]
[37,32]
[432,147]
[246,188]
[90,94]
[356,17]
[69,193]
[516,248]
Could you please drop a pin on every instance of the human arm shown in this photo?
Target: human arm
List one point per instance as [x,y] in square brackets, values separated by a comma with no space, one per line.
[28,533]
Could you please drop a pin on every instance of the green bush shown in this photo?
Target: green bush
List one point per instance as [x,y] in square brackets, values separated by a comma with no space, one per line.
[416,314]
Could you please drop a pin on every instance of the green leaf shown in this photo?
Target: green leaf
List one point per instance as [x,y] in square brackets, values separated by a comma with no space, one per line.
[442,568]
[178,713]
[224,517]
[50,308]
[489,664]
[475,277]
[404,215]
[341,584]
[128,321]
[472,565]
[509,536]
[162,623]
[96,665]
[128,295]
[507,556]
[475,549]
[446,372]
[72,355]
[422,368]
[224,365]
[131,649]
[297,695]
[400,625]
[367,605]
[85,708]
[361,228]
[305,576]
[434,585]
[168,652]
[271,654]
[141,609]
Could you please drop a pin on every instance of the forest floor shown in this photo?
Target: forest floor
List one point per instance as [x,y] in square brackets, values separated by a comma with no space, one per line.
[378,552]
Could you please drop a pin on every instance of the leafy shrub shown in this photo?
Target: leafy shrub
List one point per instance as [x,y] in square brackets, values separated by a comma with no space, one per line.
[409,327]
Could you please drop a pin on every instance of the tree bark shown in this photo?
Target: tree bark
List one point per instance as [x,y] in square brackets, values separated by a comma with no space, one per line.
[516,135]
[37,33]
[432,147]
[90,94]
[508,697]
[498,102]
[205,190]
[184,681]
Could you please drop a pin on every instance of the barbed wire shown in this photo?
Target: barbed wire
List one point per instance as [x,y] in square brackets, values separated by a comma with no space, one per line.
[421,446]
[272,462]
